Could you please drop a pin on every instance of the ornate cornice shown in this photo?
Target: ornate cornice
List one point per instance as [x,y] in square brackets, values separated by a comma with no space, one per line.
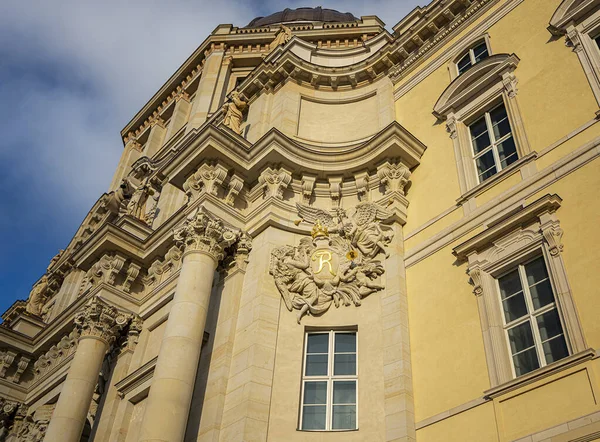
[100,320]
[203,232]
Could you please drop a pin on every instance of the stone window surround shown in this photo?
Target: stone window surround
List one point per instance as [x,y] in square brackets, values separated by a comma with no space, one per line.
[330,377]
[462,50]
[580,25]
[529,232]
[479,89]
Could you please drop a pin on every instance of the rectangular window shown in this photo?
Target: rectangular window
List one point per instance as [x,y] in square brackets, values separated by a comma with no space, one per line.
[493,143]
[531,319]
[473,56]
[329,381]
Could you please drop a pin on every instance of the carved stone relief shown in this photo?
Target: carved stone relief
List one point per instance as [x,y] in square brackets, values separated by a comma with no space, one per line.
[37,297]
[208,178]
[340,264]
[59,352]
[101,320]
[274,182]
[107,270]
[206,233]
[393,176]
[159,270]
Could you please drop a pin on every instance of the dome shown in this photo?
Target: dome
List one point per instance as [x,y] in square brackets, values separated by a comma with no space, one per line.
[302,14]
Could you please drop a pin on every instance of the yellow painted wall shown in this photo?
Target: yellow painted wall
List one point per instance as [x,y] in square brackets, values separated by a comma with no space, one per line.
[448,359]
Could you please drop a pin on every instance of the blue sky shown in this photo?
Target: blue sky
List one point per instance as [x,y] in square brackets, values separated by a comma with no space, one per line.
[72,74]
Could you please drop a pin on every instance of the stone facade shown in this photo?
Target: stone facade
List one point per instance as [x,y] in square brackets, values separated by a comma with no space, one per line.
[322,230]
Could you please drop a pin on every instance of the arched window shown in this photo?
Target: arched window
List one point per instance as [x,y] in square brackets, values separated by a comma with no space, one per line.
[476,53]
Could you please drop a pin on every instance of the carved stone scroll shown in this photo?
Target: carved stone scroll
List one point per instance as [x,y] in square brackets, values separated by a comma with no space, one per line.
[208,178]
[235,186]
[274,182]
[7,357]
[394,176]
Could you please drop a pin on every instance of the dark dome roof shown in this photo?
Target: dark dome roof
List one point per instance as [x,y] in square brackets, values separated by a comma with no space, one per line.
[302,14]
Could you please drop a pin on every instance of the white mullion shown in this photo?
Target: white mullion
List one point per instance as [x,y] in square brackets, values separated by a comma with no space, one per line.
[490,127]
[472,56]
[329,408]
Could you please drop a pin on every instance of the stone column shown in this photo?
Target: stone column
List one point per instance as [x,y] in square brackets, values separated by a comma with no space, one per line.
[100,324]
[204,240]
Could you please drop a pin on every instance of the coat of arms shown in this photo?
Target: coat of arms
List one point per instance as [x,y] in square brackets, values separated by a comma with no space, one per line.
[340,264]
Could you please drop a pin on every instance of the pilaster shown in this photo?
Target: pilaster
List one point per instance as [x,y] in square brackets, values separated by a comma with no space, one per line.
[206,89]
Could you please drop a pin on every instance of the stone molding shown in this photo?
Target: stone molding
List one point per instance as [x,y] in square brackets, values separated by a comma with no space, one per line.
[533,230]
[470,84]
[160,269]
[56,355]
[203,232]
[577,21]
[100,320]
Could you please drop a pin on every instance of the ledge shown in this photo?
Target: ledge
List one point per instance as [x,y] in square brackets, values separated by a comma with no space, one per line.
[500,176]
[540,373]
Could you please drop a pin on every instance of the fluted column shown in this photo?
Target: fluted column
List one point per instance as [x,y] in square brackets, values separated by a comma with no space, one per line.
[100,324]
[205,240]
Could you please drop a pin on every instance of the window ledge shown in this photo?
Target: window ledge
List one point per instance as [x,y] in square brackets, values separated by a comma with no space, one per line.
[540,373]
[500,176]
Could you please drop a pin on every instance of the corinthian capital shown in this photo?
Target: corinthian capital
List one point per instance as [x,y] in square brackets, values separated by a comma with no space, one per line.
[205,233]
[101,320]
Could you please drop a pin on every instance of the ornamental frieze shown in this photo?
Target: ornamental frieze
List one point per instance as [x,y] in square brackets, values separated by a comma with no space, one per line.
[341,264]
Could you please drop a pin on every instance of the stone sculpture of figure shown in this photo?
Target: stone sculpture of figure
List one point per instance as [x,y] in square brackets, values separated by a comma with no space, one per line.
[234,112]
[350,255]
[283,36]
[37,297]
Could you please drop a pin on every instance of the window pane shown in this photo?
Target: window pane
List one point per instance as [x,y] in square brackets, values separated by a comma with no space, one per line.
[315,393]
[507,152]
[344,392]
[344,417]
[514,307]
[549,325]
[520,337]
[344,364]
[316,365]
[318,343]
[555,349]
[464,63]
[500,121]
[313,418]
[510,284]
[536,271]
[486,166]
[479,135]
[345,342]
[540,287]
[480,52]
[526,362]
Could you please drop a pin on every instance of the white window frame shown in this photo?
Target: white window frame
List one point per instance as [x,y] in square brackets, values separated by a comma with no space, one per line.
[493,142]
[532,314]
[330,378]
[471,53]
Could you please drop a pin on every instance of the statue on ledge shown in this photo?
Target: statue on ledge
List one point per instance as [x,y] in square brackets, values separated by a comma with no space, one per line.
[38,297]
[234,112]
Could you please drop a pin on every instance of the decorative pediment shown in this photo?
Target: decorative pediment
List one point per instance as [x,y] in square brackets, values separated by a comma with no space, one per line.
[570,11]
[484,74]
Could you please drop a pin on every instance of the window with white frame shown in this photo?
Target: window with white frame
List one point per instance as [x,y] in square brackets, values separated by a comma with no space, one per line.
[329,381]
[473,56]
[531,318]
[492,142]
